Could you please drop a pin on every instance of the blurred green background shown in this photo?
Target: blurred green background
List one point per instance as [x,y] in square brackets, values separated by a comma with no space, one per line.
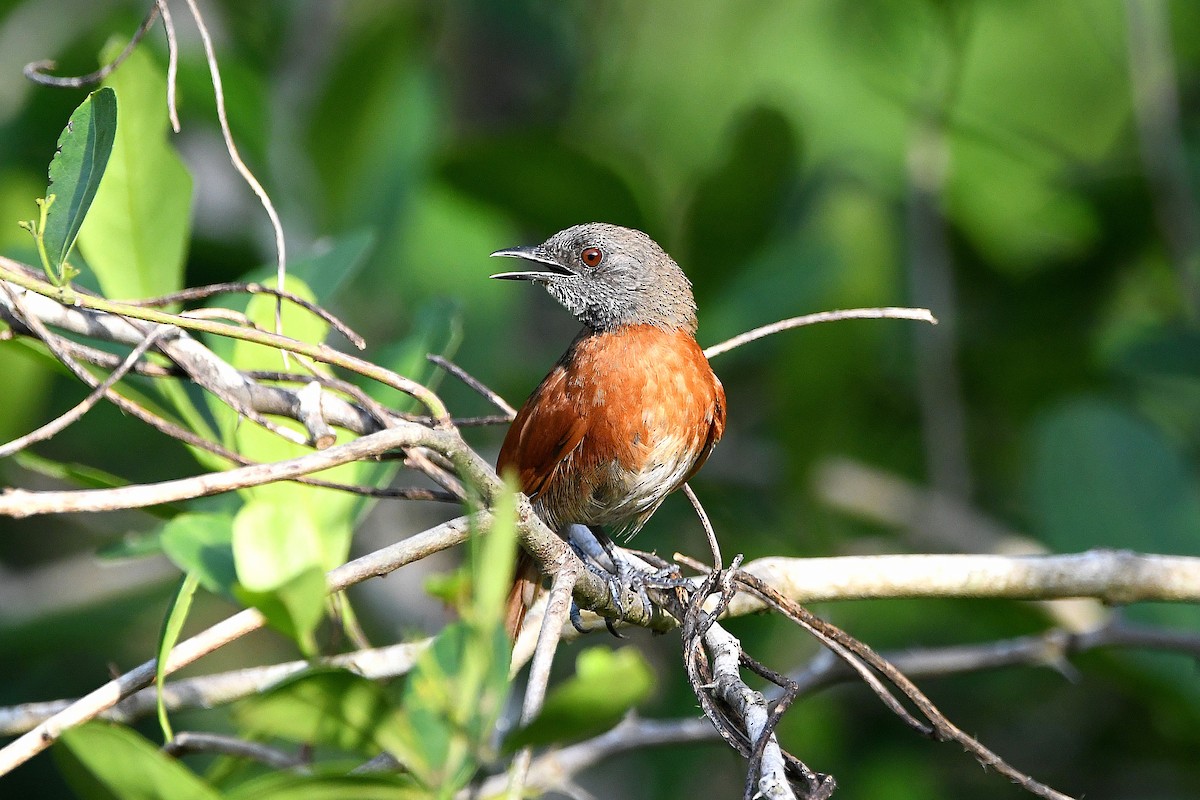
[1027,169]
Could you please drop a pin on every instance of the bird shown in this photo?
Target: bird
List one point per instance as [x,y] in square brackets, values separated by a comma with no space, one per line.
[630,411]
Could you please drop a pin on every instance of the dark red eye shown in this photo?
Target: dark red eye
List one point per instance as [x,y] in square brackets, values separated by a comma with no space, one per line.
[592,256]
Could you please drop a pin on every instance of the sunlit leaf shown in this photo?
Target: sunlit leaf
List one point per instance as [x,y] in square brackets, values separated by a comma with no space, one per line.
[107,761]
[606,685]
[326,706]
[294,607]
[286,786]
[172,627]
[136,237]
[76,171]
[202,545]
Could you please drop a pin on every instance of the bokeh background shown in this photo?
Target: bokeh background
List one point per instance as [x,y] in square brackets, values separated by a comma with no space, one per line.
[1027,169]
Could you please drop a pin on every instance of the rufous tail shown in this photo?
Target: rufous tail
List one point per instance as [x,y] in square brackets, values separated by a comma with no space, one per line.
[526,582]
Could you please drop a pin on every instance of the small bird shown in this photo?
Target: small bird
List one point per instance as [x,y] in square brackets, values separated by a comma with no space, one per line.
[631,411]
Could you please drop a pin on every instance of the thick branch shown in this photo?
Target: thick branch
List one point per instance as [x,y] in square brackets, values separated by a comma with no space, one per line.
[1114,576]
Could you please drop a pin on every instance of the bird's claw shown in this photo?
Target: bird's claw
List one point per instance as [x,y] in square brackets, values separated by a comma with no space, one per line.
[576,619]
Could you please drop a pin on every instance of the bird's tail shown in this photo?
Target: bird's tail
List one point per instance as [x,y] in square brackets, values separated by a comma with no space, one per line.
[526,582]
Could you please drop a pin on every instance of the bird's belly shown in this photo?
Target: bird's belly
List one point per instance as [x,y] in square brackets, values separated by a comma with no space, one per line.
[624,498]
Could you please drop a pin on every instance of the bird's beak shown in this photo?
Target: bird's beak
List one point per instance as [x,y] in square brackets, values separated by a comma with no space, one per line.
[546,267]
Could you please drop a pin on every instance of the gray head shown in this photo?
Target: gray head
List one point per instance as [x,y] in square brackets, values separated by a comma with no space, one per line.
[609,276]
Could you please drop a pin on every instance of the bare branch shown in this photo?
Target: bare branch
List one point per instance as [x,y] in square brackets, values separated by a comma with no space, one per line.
[751,706]
[172,62]
[204,292]
[939,726]
[1113,576]
[23,503]
[557,609]
[210,691]
[186,742]
[115,320]
[34,71]
[235,157]
[476,384]
[919,314]
[704,521]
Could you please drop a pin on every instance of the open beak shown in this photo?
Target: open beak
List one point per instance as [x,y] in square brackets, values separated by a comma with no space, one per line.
[543,267]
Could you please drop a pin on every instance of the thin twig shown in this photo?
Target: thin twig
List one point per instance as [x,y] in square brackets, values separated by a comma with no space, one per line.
[22,503]
[708,528]
[940,727]
[237,287]
[473,382]
[23,276]
[34,70]
[101,358]
[919,314]
[557,610]
[321,435]
[97,394]
[215,73]
[172,62]
[210,691]
[186,742]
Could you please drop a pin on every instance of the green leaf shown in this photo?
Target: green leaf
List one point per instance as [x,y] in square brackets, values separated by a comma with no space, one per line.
[492,562]
[136,237]
[272,543]
[202,545]
[286,786]
[294,607]
[456,691]
[100,760]
[435,725]
[279,556]
[172,627]
[331,707]
[606,685]
[76,171]
[1102,477]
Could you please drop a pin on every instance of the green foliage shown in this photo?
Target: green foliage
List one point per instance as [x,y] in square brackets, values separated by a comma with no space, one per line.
[137,238]
[456,691]
[279,553]
[282,786]
[607,684]
[110,762]
[171,630]
[75,174]
[755,176]
[328,707]
[202,545]
[770,146]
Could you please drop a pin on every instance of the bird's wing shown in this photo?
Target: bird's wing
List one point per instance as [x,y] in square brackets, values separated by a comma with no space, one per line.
[545,431]
[716,428]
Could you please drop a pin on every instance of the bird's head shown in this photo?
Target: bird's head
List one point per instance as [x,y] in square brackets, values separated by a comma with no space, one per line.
[609,277]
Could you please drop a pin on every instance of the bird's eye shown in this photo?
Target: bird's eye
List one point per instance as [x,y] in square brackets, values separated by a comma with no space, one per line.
[592,256]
